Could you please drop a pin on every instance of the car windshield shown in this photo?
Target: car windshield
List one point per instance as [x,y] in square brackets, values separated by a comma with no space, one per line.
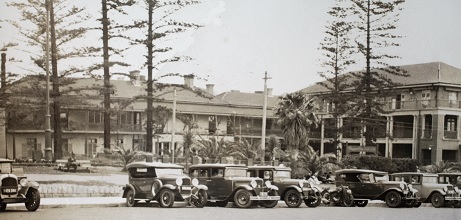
[235,172]
[282,174]
[5,167]
[380,178]
[168,171]
[430,179]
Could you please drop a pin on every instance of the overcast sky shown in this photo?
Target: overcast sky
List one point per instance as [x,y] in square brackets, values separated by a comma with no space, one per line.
[244,38]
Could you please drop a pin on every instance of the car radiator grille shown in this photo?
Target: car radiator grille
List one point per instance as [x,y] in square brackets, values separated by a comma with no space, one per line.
[7,184]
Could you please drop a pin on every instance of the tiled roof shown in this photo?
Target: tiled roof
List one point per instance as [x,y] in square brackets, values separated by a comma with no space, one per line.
[419,74]
[250,99]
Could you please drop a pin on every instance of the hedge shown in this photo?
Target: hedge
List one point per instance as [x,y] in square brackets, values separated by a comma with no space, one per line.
[390,165]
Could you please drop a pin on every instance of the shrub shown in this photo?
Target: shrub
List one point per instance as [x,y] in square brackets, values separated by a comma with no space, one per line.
[386,164]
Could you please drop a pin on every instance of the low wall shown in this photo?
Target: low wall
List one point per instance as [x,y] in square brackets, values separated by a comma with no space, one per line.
[71,190]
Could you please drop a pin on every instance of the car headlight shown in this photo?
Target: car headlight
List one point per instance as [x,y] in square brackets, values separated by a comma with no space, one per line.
[179,181]
[301,183]
[195,182]
[268,184]
[445,189]
[23,182]
[402,186]
[253,183]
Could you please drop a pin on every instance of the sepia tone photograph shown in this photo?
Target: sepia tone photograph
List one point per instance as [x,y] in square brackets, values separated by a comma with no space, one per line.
[230,109]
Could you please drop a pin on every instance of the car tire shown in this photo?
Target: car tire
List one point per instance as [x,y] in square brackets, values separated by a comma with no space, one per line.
[393,199]
[166,198]
[361,203]
[242,198]
[293,198]
[32,200]
[130,201]
[437,200]
[418,204]
[202,199]
[270,203]
[2,207]
[456,204]
[315,202]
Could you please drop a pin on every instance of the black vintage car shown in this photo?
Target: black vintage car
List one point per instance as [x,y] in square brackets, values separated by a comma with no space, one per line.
[292,191]
[229,183]
[164,183]
[375,185]
[16,188]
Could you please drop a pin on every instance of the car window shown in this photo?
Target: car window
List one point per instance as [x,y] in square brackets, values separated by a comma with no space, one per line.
[235,172]
[194,173]
[415,180]
[443,179]
[138,172]
[364,177]
[217,172]
[203,173]
[381,178]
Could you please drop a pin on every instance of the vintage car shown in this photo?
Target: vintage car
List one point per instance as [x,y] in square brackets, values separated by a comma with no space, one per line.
[292,191]
[229,183]
[375,185]
[164,183]
[429,190]
[450,178]
[16,188]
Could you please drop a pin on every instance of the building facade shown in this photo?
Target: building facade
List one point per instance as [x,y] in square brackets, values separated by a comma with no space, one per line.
[422,120]
[227,116]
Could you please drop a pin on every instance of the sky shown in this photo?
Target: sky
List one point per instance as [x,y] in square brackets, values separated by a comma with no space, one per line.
[242,39]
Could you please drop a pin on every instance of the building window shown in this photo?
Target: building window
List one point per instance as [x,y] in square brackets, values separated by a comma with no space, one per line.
[95,117]
[137,118]
[64,119]
[32,143]
[451,127]
[211,124]
[425,98]
[427,133]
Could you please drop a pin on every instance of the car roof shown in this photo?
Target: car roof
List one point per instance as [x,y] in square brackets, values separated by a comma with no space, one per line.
[270,167]
[360,171]
[415,173]
[154,164]
[3,160]
[216,165]
[450,174]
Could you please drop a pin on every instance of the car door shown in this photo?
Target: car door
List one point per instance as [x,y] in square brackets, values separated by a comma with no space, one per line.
[368,187]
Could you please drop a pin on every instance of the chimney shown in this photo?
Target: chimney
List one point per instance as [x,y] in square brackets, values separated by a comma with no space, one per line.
[209,88]
[269,91]
[189,80]
[135,76]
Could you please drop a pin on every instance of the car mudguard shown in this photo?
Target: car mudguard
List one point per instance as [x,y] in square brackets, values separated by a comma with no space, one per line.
[127,188]
[201,187]
[382,195]
[167,186]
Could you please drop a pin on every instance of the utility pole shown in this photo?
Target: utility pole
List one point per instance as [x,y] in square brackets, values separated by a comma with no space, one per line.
[173,126]
[48,150]
[263,133]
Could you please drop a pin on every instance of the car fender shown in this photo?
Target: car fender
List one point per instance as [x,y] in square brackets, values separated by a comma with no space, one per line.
[167,186]
[443,193]
[127,188]
[383,195]
[201,187]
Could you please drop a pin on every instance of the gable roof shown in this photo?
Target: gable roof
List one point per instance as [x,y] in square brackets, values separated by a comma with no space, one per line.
[418,74]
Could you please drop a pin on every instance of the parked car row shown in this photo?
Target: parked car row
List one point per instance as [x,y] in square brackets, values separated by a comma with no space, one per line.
[246,186]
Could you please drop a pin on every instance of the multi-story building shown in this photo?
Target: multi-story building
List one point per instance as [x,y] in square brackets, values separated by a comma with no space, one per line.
[422,120]
[229,115]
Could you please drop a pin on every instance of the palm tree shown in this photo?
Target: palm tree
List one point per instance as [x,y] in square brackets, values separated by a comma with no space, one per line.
[245,150]
[443,167]
[211,150]
[273,148]
[188,142]
[296,115]
[129,155]
[307,161]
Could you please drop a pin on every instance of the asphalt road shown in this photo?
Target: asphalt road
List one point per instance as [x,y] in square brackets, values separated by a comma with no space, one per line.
[190,213]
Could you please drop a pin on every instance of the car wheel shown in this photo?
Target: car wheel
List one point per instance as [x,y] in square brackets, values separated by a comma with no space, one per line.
[32,200]
[361,203]
[348,200]
[242,198]
[393,199]
[270,203]
[418,204]
[202,199]
[293,198]
[166,198]
[130,201]
[2,207]
[314,202]
[437,200]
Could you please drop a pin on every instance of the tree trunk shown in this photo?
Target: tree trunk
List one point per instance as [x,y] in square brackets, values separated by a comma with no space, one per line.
[149,122]
[107,89]
[56,93]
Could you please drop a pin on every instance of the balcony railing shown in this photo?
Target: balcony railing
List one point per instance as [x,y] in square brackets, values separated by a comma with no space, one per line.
[421,104]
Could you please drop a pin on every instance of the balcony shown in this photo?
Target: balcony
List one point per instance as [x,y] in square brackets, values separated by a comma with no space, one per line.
[421,104]
[450,135]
